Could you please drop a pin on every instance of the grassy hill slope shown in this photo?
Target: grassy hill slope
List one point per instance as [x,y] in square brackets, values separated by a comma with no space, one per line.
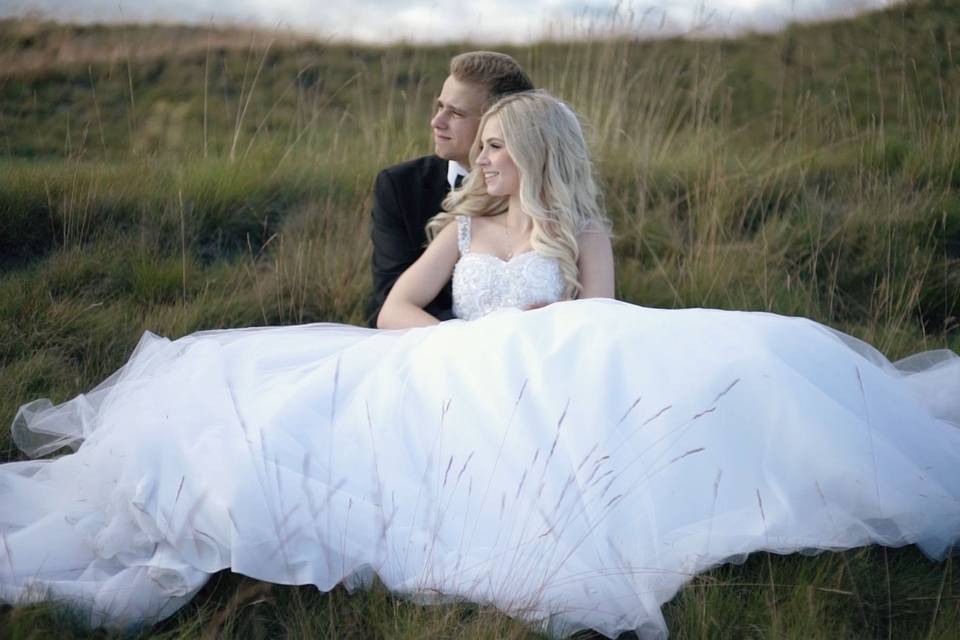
[173,179]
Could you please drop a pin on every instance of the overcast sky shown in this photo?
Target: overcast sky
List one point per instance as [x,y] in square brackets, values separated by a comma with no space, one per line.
[439,20]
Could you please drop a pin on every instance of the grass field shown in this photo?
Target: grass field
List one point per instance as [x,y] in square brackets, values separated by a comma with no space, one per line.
[176,179]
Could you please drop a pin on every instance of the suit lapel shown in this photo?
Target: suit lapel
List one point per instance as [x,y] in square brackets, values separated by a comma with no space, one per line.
[436,188]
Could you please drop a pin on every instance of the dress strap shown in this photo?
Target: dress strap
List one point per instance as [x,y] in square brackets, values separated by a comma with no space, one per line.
[463,234]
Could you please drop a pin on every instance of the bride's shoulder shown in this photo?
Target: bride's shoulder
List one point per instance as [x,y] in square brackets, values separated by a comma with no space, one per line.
[481,226]
[449,231]
[594,246]
[479,222]
[594,227]
[595,262]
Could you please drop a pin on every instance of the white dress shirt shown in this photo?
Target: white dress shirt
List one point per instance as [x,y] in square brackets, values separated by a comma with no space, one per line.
[455,169]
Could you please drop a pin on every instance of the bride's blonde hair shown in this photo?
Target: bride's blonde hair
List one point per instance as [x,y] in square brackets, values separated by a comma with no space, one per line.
[557,190]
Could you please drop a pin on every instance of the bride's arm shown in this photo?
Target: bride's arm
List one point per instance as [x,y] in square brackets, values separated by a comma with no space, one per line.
[595,264]
[420,284]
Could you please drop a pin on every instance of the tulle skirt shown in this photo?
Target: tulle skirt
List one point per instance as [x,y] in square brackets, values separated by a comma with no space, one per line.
[573,466]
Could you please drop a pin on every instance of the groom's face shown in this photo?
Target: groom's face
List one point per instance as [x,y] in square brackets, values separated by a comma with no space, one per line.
[456,119]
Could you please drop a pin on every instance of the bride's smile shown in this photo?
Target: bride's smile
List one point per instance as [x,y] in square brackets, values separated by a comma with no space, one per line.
[499,170]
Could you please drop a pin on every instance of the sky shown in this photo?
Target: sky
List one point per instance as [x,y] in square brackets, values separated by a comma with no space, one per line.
[491,21]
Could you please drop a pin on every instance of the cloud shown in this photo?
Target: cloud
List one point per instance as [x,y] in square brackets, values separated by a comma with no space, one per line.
[453,20]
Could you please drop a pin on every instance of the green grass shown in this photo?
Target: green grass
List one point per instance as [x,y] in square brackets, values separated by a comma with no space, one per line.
[173,179]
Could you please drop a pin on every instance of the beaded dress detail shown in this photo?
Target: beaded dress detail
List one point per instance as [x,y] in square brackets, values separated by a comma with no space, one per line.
[483,282]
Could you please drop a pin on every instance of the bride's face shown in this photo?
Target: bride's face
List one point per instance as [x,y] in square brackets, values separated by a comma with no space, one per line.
[500,173]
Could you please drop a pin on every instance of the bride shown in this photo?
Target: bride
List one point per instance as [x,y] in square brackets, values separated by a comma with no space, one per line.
[571,459]
[530,230]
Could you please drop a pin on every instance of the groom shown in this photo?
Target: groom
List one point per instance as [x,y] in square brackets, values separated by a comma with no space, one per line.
[407,195]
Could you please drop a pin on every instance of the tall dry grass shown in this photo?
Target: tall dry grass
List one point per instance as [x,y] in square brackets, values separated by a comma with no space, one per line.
[199,179]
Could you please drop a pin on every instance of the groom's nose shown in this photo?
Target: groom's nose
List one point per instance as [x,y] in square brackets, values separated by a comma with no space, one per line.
[439,120]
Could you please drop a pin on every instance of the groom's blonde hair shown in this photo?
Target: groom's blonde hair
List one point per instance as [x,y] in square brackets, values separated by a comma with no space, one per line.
[496,72]
[557,190]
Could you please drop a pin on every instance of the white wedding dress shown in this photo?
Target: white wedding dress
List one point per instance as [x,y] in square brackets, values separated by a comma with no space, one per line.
[572,465]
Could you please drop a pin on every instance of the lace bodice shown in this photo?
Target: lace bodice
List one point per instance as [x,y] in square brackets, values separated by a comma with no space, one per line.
[483,282]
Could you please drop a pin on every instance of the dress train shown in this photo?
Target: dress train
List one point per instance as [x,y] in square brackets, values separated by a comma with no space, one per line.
[573,465]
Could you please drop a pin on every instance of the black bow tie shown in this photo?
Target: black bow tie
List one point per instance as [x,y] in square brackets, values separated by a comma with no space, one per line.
[458,181]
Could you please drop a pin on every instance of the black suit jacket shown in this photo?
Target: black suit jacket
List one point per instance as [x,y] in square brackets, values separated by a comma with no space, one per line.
[405,197]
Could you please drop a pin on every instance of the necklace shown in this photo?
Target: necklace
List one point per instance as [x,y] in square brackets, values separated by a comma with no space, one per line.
[508,237]
[506,233]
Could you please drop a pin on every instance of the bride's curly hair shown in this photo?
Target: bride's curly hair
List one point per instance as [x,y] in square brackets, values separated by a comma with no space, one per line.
[545,140]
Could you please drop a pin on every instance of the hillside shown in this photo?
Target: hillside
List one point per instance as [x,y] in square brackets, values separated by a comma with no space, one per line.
[174,179]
